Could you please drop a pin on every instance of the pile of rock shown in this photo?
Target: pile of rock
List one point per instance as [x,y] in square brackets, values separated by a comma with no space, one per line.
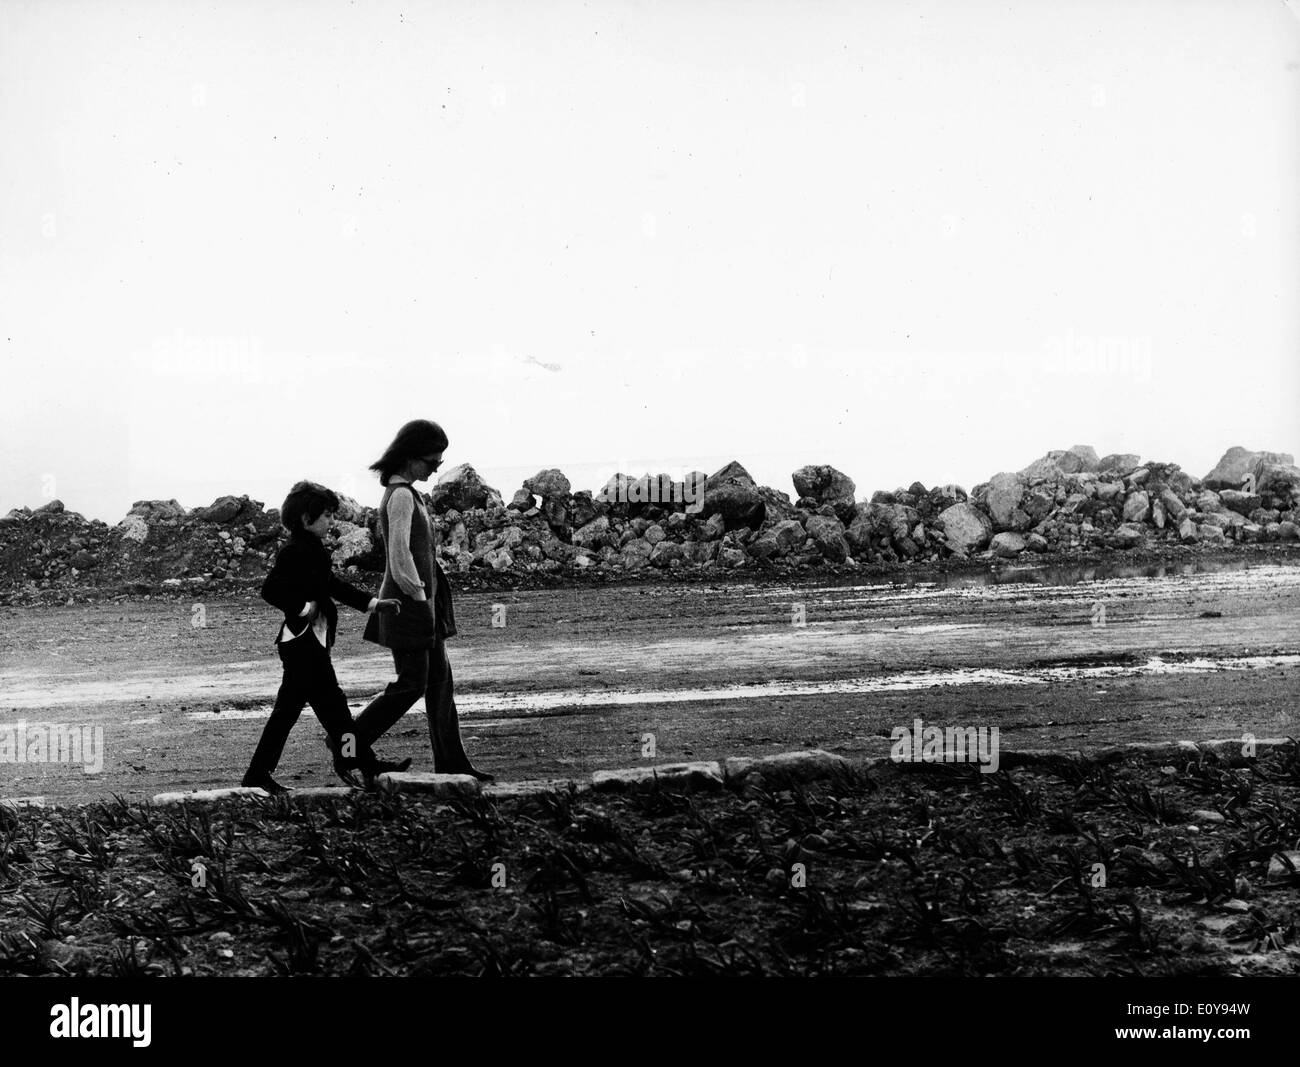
[159,543]
[1071,500]
[1068,501]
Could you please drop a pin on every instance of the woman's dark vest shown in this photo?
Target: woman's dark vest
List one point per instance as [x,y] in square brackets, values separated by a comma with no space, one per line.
[420,621]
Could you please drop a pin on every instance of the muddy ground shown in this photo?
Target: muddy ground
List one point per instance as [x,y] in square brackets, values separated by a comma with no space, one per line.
[576,678]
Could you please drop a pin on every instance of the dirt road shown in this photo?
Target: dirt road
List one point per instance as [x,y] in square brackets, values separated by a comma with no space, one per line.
[575,679]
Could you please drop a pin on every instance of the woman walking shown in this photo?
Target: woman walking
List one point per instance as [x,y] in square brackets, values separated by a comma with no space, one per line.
[412,576]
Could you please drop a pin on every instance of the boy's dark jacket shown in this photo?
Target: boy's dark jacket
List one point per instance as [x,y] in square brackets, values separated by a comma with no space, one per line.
[303,571]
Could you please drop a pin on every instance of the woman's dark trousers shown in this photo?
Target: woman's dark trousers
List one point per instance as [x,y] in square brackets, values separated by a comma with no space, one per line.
[421,672]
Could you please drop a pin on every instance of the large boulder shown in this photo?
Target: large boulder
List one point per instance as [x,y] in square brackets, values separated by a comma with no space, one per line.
[460,489]
[1241,503]
[1237,462]
[781,539]
[635,554]
[1008,545]
[827,485]
[1129,535]
[1080,458]
[1060,462]
[349,510]
[549,484]
[133,528]
[354,545]
[1137,508]
[156,511]
[229,511]
[1280,480]
[776,505]
[827,534]
[1119,461]
[731,492]
[593,534]
[965,528]
[582,509]
[1208,500]
[665,552]
[1002,498]
[1173,506]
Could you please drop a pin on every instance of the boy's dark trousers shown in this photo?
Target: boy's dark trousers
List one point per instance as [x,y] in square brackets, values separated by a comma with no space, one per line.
[421,672]
[308,679]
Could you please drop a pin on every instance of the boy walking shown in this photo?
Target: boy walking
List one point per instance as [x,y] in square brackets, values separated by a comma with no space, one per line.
[302,584]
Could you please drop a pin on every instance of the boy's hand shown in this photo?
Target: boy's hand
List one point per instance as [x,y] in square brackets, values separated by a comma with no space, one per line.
[388,606]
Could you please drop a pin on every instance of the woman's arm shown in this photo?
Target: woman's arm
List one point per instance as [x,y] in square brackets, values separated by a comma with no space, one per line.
[401,564]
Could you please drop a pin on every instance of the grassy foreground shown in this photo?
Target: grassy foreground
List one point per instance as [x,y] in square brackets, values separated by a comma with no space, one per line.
[1130,868]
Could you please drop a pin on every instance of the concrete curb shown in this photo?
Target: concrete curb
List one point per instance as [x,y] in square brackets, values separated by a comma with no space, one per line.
[699,776]
[781,769]
[443,786]
[787,767]
[533,787]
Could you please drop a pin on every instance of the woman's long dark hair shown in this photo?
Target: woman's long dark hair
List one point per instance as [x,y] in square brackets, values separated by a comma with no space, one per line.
[419,437]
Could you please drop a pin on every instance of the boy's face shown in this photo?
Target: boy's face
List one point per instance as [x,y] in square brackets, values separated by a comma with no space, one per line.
[321,526]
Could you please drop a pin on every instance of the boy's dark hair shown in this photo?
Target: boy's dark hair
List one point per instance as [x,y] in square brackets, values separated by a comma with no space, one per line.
[309,499]
[417,438]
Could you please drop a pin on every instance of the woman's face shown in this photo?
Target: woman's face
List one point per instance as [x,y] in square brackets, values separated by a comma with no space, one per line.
[424,467]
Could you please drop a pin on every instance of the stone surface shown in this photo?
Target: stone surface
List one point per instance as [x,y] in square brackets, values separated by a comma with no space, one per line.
[965,528]
[1137,507]
[1119,461]
[1237,462]
[1008,545]
[828,535]
[731,492]
[1236,500]
[1003,497]
[827,485]
[356,543]
[550,484]
[1129,535]
[460,489]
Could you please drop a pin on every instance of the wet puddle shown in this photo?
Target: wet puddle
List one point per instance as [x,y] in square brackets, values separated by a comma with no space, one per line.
[539,704]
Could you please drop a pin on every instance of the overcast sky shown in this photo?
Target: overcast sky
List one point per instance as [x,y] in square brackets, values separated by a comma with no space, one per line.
[241,243]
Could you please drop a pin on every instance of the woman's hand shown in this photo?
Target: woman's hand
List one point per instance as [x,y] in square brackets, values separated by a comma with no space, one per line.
[391,607]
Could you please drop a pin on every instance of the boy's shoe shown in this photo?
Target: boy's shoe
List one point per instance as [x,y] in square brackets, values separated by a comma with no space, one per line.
[263,781]
[344,766]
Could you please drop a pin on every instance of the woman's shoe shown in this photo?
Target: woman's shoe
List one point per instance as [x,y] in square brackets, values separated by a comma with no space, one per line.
[382,766]
[263,781]
[482,776]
